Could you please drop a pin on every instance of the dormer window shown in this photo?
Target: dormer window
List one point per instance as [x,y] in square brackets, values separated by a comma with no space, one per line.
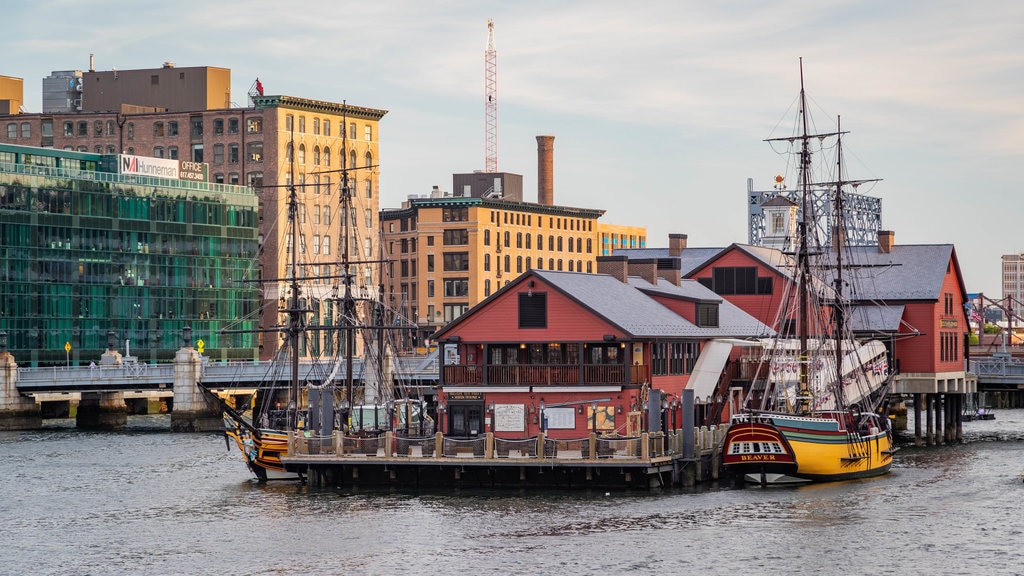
[707,315]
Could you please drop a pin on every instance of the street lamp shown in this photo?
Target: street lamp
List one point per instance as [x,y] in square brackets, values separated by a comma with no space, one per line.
[186,334]
[441,409]
[543,423]
[593,416]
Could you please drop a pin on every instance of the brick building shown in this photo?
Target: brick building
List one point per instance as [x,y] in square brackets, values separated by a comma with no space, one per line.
[276,141]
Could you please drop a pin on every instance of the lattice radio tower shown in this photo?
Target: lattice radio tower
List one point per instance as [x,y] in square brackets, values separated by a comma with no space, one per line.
[491,101]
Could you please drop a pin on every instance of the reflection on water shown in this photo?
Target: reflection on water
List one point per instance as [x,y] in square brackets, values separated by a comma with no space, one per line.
[147,501]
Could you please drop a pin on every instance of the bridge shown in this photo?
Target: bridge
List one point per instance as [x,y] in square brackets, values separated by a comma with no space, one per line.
[221,376]
[999,372]
[102,388]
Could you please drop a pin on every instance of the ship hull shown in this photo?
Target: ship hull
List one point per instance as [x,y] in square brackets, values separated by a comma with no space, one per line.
[262,452]
[810,449]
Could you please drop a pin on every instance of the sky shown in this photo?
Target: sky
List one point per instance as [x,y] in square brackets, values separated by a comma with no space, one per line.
[659,108]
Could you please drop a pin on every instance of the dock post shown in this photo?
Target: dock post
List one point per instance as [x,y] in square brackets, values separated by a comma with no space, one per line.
[929,399]
[688,440]
[917,419]
[960,418]
[438,444]
[489,445]
[592,455]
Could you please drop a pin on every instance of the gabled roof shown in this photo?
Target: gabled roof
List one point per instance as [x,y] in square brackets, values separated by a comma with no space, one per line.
[732,320]
[908,272]
[779,201]
[620,304]
[630,309]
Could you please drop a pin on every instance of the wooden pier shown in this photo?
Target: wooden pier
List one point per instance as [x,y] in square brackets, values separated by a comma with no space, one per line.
[392,460]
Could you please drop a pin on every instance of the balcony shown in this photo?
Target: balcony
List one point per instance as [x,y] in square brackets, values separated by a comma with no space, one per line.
[544,375]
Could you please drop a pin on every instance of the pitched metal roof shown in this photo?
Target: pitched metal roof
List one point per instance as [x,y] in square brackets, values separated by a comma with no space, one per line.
[876,318]
[733,322]
[908,272]
[637,314]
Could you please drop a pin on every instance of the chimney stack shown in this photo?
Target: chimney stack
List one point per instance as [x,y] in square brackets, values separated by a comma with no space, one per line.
[671,271]
[616,266]
[546,170]
[646,269]
[676,244]
[886,240]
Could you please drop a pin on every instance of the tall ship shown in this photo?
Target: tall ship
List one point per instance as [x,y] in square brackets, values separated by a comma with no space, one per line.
[335,375]
[815,411]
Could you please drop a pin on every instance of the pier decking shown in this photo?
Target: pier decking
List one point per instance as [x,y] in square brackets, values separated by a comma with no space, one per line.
[649,460]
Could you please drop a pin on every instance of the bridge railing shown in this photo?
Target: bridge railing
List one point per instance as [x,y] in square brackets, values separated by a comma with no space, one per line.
[1003,366]
[143,376]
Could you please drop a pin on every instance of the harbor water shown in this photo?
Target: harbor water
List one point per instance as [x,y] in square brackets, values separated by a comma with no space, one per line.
[145,501]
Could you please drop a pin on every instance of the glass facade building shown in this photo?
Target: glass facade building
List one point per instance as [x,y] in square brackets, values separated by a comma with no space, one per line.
[86,250]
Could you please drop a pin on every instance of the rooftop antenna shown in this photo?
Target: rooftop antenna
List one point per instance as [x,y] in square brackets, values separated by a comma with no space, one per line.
[491,101]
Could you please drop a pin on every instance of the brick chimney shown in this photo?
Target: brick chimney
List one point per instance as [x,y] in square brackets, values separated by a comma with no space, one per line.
[886,240]
[616,266]
[646,269]
[671,271]
[676,245]
[546,170]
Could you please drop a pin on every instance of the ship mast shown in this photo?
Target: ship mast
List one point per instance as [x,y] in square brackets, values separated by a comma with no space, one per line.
[348,310]
[803,257]
[295,318]
[838,243]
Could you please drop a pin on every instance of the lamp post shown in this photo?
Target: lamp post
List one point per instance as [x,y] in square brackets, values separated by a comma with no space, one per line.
[441,409]
[593,417]
[342,416]
[543,422]
[186,334]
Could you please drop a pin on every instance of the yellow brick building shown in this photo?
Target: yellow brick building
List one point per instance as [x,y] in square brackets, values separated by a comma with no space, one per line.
[447,254]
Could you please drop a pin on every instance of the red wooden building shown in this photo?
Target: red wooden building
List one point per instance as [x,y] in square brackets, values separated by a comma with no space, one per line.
[911,297]
[571,354]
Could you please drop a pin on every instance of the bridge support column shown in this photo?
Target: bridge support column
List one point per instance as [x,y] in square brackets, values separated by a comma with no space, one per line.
[17,412]
[102,411]
[192,411]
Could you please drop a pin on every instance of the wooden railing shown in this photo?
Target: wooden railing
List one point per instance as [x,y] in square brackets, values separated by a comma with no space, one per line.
[544,374]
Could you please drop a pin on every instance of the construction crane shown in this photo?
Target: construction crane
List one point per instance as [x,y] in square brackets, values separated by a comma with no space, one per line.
[491,102]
